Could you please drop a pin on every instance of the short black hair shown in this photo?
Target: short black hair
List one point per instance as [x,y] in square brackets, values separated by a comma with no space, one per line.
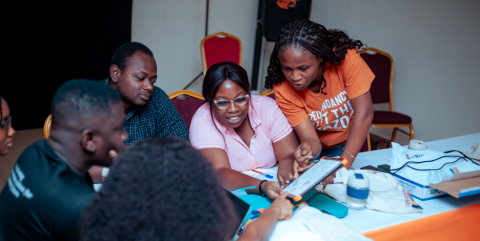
[125,51]
[160,189]
[82,98]
[218,73]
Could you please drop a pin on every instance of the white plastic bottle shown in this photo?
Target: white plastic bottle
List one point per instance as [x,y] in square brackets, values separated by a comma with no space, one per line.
[358,187]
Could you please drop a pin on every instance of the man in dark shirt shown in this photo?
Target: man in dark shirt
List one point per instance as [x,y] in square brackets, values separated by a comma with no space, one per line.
[150,113]
[49,186]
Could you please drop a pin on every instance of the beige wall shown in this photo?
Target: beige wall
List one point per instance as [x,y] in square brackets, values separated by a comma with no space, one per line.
[434,44]
[174,29]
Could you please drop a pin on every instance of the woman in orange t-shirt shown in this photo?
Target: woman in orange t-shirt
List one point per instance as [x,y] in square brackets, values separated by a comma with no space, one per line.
[322,86]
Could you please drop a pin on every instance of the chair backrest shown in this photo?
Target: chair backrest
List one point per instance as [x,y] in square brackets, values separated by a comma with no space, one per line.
[219,47]
[268,93]
[187,103]
[382,66]
[47,126]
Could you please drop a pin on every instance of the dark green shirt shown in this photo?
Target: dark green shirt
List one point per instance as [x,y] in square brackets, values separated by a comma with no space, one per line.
[44,198]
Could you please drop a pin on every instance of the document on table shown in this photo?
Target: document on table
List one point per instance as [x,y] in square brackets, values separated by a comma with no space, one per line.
[272,171]
[312,176]
[295,229]
[365,161]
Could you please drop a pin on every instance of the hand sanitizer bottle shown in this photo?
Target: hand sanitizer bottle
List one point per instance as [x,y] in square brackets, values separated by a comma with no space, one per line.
[358,187]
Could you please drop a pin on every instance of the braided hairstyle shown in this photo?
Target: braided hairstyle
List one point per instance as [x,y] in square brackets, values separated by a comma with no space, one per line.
[160,189]
[316,39]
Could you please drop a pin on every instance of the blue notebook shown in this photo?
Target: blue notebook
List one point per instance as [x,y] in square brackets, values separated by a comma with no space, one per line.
[314,199]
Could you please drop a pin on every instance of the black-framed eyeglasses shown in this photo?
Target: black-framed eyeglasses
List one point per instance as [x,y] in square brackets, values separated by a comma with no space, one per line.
[6,123]
[239,101]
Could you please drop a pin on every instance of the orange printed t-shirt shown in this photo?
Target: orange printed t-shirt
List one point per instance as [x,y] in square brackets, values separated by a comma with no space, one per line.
[331,114]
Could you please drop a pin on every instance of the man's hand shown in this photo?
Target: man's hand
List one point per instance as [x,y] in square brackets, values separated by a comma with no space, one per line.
[112,154]
[303,154]
[283,205]
[271,189]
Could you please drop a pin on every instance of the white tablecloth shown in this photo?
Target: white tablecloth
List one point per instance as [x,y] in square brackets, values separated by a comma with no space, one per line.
[368,220]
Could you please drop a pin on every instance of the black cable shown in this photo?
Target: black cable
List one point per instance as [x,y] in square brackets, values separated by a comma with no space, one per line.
[462,157]
[193,81]
[206,20]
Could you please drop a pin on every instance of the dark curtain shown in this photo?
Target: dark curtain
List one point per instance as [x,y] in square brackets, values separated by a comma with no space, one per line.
[50,43]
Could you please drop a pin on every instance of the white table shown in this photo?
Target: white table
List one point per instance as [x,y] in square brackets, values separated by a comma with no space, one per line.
[368,220]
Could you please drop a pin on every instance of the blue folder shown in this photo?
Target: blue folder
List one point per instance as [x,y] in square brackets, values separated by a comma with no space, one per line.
[313,198]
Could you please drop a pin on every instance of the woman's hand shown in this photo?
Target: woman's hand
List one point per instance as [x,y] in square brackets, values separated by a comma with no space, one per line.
[286,172]
[298,169]
[283,205]
[289,171]
[263,226]
[303,154]
[271,189]
[328,180]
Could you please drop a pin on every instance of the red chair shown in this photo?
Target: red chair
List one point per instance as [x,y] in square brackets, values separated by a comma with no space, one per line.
[187,103]
[219,47]
[382,65]
[268,93]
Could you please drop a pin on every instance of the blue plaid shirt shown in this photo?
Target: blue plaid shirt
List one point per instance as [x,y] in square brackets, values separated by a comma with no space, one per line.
[156,119]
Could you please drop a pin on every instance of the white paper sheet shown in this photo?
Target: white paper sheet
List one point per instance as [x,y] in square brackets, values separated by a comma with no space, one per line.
[295,229]
[272,171]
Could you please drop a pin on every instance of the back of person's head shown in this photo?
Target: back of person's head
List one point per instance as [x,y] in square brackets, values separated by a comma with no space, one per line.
[218,73]
[125,51]
[81,100]
[160,189]
[87,123]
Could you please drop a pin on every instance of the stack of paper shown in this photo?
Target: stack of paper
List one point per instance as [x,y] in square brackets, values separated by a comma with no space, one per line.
[272,172]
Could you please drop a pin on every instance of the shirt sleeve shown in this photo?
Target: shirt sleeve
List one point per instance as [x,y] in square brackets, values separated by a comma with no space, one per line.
[279,126]
[66,225]
[203,132]
[357,75]
[169,122]
[290,104]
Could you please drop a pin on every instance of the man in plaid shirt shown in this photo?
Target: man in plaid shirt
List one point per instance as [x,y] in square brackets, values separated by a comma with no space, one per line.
[150,113]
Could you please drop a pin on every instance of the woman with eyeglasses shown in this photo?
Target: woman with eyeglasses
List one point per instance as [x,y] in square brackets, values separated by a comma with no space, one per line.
[6,129]
[237,131]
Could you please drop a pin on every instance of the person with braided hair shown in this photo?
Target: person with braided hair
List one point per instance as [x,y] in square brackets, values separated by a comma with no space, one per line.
[322,86]
[164,189]
[6,129]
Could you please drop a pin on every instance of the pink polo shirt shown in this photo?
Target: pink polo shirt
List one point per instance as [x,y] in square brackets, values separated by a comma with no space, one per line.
[268,122]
